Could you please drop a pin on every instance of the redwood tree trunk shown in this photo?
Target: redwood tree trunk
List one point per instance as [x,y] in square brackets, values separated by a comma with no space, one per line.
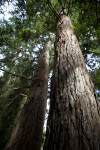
[28,132]
[74,118]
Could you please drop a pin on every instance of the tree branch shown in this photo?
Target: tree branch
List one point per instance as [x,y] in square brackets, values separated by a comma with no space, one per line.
[17,75]
[14,89]
[53,9]
[23,94]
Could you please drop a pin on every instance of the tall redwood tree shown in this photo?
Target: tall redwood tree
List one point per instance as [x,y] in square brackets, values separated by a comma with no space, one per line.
[28,132]
[74,118]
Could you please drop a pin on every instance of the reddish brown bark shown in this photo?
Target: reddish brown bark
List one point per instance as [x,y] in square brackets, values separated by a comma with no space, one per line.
[74,118]
[28,132]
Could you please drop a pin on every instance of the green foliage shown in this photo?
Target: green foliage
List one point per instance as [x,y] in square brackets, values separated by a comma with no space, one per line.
[43,139]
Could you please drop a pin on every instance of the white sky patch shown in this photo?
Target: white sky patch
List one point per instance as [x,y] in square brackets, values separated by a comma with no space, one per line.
[1,56]
[1,72]
[6,9]
[88,68]
[46,114]
[94,61]
[20,54]
[48,102]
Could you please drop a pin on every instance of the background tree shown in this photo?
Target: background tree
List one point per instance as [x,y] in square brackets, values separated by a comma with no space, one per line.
[28,131]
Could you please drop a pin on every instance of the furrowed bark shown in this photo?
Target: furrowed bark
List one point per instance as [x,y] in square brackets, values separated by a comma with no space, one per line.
[28,132]
[74,117]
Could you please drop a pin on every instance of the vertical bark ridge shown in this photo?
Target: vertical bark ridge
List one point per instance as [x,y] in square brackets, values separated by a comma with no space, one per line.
[74,118]
[28,132]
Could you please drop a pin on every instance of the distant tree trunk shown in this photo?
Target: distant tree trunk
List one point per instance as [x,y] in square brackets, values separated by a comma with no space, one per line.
[28,132]
[74,117]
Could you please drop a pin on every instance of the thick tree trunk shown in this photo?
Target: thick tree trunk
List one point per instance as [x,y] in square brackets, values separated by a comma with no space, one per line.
[74,117]
[28,132]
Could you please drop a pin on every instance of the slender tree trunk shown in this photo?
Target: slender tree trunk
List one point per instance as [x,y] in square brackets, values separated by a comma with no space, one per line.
[74,117]
[28,132]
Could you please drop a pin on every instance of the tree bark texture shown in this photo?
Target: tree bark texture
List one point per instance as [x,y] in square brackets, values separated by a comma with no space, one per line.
[74,117]
[28,132]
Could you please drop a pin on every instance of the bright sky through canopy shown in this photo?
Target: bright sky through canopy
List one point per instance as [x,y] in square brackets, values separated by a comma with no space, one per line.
[6,9]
